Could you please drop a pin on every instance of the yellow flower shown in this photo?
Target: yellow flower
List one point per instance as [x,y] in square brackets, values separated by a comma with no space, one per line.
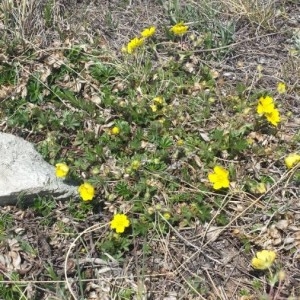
[219,178]
[167,216]
[292,159]
[281,89]
[179,29]
[263,259]
[273,117]
[133,44]
[158,100]
[119,222]
[265,105]
[115,130]
[158,103]
[135,164]
[86,191]
[154,107]
[260,188]
[267,108]
[180,142]
[61,170]
[148,32]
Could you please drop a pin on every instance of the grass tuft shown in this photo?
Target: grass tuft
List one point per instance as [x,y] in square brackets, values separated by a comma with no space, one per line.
[180,138]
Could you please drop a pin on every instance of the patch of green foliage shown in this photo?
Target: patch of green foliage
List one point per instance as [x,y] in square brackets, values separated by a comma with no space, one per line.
[173,126]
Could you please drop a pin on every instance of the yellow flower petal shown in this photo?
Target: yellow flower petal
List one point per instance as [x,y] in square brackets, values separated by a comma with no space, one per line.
[260,188]
[273,117]
[133,44]
[179,29]
[167,216]
[263,259]
[265,105]
[219,178]
[180,142]
[119,223]
[257,263]
[292,159]
[158,100]
[154,107]
[115,130]
[61,170]
[135,164]
[86,191]
[281,89]
[148,32]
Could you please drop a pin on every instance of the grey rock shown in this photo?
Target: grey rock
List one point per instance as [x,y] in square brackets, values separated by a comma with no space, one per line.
[24,174]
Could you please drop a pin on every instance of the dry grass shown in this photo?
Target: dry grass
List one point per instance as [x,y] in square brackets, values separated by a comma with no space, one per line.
[174,259]
[261,13]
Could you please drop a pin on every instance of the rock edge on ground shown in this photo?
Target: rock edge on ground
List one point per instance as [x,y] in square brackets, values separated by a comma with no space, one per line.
[24,174]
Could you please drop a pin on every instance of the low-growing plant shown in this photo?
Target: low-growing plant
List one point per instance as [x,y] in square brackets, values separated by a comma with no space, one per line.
[161,147]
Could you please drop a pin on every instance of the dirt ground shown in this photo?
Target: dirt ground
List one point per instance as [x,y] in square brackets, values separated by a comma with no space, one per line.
[210,260]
